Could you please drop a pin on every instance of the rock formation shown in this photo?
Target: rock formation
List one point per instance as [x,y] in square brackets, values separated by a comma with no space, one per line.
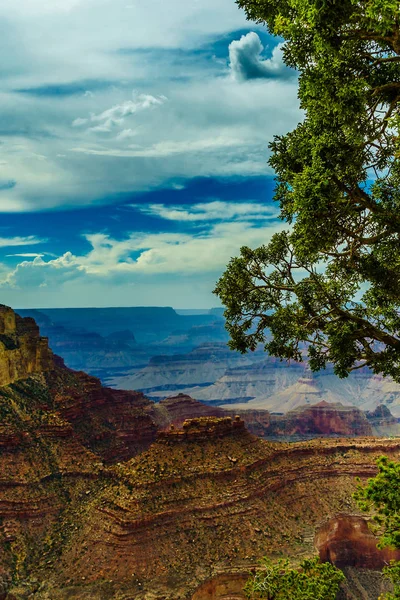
[181,407]
[346,541]
[169,374]
[383,422]
[322,419]
[96,502]
[22,351]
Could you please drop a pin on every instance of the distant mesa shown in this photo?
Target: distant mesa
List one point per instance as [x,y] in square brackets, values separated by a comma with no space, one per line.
[125,336]
[182,407]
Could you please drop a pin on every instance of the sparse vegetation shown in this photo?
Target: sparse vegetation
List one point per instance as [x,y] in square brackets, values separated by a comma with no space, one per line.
[283,581]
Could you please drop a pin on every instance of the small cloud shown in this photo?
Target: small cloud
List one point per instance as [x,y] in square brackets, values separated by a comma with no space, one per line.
[115,116]
[246,62]
[211,211]
[126,134]
[25,255]
[29,240]
[163,149]
[79,122]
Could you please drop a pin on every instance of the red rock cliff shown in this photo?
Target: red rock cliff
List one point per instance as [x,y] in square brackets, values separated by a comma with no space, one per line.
[346,541]
[322,419]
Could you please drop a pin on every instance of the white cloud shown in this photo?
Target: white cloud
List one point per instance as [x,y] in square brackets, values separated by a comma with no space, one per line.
[39,273]
[211,125]
[116,115]
[163,149]
[79,121]
[25,255]
[246,62]
[212,211]
[144,255]
[126,134]
[29,240]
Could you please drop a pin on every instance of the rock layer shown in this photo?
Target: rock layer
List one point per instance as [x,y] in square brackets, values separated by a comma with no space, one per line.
[23,351]
[322,419]
[91,508]
[193,504]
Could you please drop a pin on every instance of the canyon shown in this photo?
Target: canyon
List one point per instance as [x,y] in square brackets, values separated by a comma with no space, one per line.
[105,494]
[163,352]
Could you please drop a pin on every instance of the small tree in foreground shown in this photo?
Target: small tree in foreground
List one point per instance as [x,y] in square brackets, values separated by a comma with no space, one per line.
[382,496]
[313,580]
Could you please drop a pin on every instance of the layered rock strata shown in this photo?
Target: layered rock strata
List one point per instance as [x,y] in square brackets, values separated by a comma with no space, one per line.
[96,502]
[209,498]
[322,419]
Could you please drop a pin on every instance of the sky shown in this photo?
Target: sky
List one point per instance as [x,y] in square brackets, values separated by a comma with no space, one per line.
[133,148]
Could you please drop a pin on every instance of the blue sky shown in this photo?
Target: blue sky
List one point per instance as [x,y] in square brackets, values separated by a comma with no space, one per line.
[133,148]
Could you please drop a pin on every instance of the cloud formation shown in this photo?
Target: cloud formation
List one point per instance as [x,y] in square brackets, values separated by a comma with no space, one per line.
[29,240]
[73,134]
[212,211]
[134,98]
[247,63]
[116,115]
[205,249]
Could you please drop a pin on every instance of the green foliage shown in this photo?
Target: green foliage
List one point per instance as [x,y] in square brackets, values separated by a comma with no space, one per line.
[393,574]
[313,580]
[382,496]
[330,283]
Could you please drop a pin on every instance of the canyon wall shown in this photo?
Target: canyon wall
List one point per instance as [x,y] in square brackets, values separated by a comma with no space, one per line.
[100,498]
[23,351]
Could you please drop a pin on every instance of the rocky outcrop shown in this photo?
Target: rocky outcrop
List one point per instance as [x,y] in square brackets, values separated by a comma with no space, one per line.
[383,422]
[346,541]
[320,420]
[324,419]
[23,351]
[226,586]
[181,407]
[205,429]
[116,424]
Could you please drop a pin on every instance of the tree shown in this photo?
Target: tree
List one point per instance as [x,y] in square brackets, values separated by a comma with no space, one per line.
[330,284]
[382,496]
[313,580]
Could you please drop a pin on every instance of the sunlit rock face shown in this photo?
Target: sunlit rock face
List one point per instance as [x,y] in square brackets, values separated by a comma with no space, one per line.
[23,351]
[346,541]
[227,586]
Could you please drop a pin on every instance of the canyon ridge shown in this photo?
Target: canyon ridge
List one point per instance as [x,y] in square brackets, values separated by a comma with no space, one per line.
[105,494]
